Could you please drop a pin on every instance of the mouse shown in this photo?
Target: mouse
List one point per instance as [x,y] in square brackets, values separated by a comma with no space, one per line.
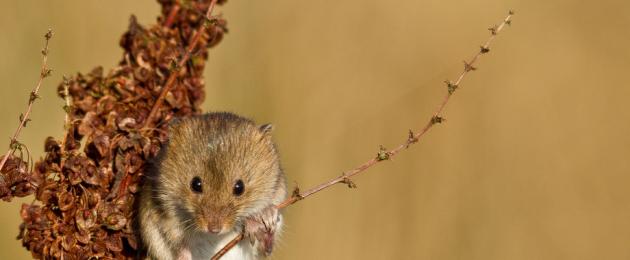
[218,175]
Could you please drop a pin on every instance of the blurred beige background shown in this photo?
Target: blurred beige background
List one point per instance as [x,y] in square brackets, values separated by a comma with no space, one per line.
[532,163]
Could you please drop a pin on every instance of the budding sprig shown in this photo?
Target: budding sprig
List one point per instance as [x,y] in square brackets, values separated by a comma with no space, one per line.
[24,118]
[384,154]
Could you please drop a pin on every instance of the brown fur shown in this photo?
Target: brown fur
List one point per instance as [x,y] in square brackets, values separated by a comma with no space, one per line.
[220,148]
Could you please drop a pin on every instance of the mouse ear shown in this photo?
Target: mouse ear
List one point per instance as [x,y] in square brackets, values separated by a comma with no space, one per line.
[266,128]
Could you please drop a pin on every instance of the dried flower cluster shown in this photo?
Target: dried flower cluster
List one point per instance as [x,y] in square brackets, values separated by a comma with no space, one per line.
[16,179]
[86,185]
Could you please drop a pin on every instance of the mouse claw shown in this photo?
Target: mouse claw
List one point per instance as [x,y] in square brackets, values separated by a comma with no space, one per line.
[261,229]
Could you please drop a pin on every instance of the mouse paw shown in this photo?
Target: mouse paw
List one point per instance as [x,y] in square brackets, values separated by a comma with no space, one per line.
[261,229]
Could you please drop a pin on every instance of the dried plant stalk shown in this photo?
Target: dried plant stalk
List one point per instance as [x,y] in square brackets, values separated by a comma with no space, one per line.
[15,179]
[384,154]
[191,47]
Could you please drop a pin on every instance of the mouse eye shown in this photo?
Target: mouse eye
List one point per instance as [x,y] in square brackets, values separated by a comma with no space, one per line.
[239,188]
[195,185]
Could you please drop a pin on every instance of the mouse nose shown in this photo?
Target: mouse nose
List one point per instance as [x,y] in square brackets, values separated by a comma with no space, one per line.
[214,230]
[215,218]
[215,225]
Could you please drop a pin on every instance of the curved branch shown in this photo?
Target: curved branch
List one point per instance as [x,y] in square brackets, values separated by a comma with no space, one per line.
[383,154]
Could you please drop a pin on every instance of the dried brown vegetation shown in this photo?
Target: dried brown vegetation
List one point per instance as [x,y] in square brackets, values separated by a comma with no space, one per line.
[86,185]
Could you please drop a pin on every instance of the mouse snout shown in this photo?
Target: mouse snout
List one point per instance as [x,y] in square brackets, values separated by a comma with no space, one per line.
[214,229]
[216,221]
[215,224]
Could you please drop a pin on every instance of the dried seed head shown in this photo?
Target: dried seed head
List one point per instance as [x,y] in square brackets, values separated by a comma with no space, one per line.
[383,154]
[104,110]
[451,87]
[468,67]
[296,193]
[493,30]
[411,139]
[346,180]
[48,34]
[437,120]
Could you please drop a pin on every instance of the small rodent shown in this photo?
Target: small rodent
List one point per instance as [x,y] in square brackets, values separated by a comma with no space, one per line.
[218,174]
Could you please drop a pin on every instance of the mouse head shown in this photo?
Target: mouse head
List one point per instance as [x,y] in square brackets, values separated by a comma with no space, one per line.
[216,170]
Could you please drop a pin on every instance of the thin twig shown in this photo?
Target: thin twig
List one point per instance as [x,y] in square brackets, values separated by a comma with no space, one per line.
[413,137]
[170,82]
[67,108]
[227,247]
[24,118]
[171,16]
[383,154]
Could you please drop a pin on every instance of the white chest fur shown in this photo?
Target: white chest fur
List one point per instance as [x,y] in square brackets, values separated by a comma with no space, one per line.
[204,246]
